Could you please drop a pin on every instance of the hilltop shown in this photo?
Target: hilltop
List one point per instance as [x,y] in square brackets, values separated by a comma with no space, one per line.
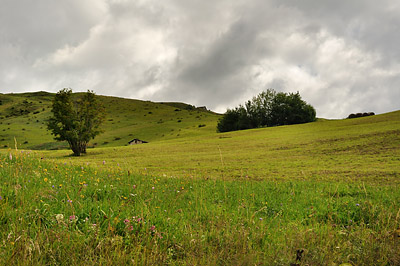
[24,115]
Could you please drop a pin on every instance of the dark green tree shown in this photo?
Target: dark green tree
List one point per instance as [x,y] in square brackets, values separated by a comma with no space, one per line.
[289,109]
[76,121]
[234,119]
[268,109]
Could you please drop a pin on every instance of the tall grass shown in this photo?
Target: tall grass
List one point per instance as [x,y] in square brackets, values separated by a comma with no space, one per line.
[61,214]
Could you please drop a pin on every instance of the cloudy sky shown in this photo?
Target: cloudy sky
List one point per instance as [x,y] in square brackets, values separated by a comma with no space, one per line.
[342,56]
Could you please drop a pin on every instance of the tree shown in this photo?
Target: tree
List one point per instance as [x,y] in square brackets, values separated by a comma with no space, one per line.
[288,109]
[76,122]
[268,109]
[234,119]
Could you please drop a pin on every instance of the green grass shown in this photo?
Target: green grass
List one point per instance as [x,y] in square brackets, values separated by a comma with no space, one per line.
[63,215]
[257,197]
[23,117]
[363,149]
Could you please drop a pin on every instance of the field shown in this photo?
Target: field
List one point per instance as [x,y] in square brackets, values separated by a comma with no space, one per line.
[323,193]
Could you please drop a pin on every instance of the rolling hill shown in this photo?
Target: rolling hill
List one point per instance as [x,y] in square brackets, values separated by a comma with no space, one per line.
[327,190]
[23,117]
[358,149]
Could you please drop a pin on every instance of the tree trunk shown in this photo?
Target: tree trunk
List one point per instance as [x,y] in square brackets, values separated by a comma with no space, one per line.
[78,147]
[75,148]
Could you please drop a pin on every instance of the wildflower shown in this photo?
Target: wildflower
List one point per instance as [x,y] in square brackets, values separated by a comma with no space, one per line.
[152,228]
[45,179]
[126,221]
[73,218]
[131,228]
[70,201]
[52,186]
[10,157]
[153,188]
[59,218]
[104,162]
[357,204]
[134,186]
[60,185]
[261,219]
[1,198]
[82,196]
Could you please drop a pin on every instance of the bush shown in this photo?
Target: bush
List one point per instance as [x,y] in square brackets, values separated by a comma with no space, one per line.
[360,115]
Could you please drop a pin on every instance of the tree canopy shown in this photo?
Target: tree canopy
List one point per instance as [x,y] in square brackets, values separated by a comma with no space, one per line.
[268,108]
[76,121]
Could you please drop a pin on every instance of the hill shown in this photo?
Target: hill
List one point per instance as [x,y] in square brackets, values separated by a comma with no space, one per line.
[322,193]
[350,149]
[23,116]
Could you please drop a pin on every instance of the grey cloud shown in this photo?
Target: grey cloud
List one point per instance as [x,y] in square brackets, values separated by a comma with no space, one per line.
[342,56]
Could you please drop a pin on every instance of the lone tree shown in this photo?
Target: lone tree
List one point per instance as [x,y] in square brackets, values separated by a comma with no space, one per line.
[76,121]
[268,109]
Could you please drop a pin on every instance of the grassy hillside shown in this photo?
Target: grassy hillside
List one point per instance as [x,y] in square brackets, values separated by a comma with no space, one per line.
[323,193]
[23,116]
[352,149]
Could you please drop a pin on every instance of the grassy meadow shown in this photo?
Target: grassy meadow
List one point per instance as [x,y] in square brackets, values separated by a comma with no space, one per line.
[23,117]
[323,193]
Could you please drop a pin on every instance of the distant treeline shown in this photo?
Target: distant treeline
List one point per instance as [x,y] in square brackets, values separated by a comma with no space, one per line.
[360,115]
[267,109]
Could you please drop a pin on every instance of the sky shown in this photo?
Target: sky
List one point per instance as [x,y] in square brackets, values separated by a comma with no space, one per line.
[341,56]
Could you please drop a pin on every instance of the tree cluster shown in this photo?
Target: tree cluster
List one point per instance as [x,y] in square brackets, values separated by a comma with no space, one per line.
[360,115]
[267,109]
[76,121]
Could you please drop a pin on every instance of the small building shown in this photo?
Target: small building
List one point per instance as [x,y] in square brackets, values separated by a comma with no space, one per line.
[136,141]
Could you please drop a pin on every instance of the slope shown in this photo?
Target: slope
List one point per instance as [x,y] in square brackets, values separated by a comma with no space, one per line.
[23,117]
[352,150]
